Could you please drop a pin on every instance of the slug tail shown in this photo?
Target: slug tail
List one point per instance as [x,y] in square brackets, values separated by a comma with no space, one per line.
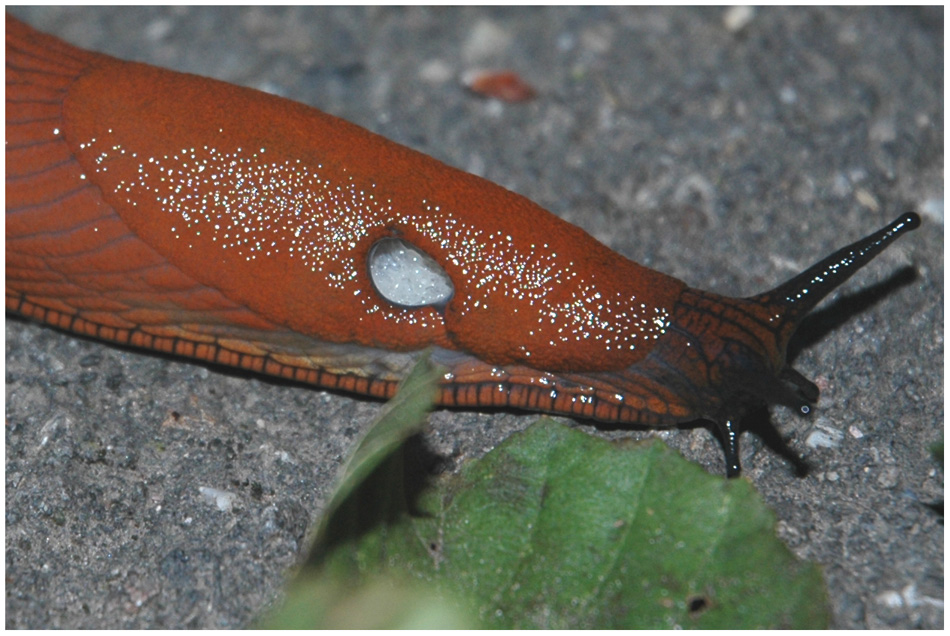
[802,293]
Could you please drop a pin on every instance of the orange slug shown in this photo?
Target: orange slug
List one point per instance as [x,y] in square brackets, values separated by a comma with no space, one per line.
[189,216]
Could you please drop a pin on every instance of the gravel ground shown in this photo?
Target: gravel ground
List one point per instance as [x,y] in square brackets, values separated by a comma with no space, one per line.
[728,150]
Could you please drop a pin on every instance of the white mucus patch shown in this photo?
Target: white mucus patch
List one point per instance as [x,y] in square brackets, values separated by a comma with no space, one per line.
[407,276]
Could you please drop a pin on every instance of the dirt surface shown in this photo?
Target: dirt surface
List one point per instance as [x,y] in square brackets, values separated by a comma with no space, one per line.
[728,150]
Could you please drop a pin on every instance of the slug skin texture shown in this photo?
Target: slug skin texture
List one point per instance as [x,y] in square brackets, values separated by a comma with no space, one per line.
[190,216]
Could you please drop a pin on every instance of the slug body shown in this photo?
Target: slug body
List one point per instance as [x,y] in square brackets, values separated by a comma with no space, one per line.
[182,214]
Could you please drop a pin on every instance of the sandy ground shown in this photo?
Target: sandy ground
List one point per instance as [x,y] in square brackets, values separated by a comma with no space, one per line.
[729,153]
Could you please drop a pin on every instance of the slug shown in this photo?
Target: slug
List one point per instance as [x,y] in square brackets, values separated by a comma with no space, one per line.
[185,215]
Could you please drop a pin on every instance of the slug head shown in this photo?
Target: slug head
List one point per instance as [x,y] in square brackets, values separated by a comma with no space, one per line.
[737,347]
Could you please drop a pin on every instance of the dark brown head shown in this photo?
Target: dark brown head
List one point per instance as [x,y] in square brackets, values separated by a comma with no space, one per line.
[731,353]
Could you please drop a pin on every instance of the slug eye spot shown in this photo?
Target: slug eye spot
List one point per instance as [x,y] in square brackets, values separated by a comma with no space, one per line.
[407,276]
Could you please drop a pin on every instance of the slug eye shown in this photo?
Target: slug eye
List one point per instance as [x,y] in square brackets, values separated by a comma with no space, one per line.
[407,276]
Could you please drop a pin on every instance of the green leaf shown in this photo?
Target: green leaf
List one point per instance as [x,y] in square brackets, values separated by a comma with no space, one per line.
[320,602]
[558,529]
[554,528]
[371,488]
[401,418]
